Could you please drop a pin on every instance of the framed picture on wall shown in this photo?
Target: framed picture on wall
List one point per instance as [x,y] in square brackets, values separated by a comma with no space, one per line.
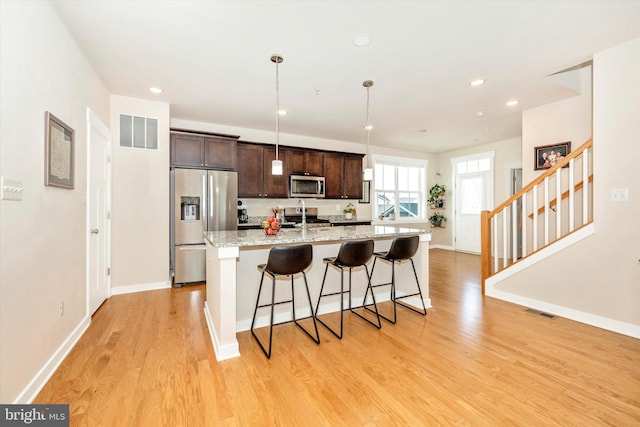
[547,156]
[58,153]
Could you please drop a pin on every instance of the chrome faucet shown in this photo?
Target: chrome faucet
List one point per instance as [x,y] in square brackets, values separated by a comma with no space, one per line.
[303,224]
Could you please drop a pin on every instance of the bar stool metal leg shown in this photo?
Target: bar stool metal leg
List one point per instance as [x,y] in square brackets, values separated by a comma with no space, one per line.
[255,312]
[351,255]
[402,249]
[284,261]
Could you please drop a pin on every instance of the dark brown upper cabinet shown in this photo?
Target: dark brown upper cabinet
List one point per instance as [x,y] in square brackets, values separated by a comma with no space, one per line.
[306,162]
[343,175]
[254,171]
[201,151]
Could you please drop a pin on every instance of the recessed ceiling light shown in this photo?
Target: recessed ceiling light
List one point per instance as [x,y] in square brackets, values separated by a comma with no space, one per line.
[368,127]
[282,112]
[362,40]
[512,103]
[155,90]
[480,114]
[477,82]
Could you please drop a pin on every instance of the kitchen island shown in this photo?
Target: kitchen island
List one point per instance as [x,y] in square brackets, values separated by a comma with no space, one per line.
[233,277]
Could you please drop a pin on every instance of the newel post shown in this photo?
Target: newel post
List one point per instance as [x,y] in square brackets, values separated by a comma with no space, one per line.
[485,246]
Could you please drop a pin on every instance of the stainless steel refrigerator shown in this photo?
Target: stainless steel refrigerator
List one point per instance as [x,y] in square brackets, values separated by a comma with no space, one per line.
[202,200]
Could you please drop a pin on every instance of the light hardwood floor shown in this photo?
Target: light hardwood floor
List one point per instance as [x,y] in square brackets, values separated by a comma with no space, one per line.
[146,360]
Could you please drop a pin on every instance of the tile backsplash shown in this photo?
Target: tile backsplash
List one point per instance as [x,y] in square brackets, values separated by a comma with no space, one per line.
[327,207]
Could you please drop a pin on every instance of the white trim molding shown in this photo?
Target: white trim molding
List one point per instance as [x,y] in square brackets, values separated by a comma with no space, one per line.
[129,289]
[49,368]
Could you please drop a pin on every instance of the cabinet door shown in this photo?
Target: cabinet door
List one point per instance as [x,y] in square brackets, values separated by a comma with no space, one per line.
[296,162]
[353,177]
[220,153]
[306,162]
[275,185]
[249,166]
[314,163]
[186,150]
[334,175]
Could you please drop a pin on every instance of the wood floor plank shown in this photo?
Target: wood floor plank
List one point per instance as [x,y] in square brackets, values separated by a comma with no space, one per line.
[147,360]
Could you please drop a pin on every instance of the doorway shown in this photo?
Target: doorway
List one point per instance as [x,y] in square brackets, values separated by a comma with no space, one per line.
[98,211]
[473,183]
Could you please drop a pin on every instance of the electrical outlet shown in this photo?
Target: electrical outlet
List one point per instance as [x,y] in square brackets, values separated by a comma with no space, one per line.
[619,195]
[61,308]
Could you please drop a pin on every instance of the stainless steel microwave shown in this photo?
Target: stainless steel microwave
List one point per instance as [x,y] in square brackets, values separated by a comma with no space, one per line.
[306,186]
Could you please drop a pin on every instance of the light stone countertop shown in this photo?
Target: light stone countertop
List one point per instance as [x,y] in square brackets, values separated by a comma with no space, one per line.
[244,238]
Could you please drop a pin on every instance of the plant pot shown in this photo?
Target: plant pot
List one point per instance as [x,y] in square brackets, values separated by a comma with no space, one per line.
[348,215]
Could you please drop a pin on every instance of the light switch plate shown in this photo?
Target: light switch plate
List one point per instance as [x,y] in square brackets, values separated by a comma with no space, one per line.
[10,189]
[619,195]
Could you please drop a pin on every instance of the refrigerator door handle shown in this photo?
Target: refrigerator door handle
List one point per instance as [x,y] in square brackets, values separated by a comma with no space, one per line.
[203,204]
[210,200]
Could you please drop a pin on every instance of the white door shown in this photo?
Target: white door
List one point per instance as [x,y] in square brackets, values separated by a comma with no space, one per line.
[98,233]
[473,194]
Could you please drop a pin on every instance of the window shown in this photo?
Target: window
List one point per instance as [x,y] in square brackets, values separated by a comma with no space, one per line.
[399,190]
[138,132]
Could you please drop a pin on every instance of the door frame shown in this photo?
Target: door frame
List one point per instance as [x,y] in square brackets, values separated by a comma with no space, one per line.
[490,186]
[93,121]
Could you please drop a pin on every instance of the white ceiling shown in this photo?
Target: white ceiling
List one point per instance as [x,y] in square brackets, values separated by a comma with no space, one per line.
[212,59]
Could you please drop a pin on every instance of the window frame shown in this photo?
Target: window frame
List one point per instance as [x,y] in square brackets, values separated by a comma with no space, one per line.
[400,162]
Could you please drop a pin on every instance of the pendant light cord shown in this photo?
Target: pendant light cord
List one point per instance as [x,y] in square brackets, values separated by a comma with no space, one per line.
[277,109]
[367,128]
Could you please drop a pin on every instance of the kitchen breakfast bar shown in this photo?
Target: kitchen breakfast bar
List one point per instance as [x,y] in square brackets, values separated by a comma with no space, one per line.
[233,277]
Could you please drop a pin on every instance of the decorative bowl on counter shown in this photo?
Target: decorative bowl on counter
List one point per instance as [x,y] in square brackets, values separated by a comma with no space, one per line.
[271,226]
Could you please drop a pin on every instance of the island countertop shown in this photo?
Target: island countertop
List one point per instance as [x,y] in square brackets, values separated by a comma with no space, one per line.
[243,238]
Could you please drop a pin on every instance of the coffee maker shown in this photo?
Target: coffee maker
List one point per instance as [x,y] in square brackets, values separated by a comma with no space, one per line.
[243,218]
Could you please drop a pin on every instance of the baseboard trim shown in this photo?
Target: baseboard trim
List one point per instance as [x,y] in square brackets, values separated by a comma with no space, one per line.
[445,247]
[568,313]
[129,289]
[223,352]
[49,368]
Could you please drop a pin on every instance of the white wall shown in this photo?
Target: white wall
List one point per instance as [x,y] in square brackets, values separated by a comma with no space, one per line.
[507,154]
[42,242]
[599,277]
[140,202]
[566,120]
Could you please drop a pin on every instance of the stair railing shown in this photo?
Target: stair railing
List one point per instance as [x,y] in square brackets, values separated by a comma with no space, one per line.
[550,207]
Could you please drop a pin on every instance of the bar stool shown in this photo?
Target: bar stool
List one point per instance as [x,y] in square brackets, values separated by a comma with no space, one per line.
[402,249]
[285,261]
[351,254]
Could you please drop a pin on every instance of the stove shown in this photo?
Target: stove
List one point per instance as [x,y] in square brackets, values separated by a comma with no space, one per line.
[295,215]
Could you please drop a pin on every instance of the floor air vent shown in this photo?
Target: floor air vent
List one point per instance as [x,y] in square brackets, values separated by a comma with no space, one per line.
[540,313]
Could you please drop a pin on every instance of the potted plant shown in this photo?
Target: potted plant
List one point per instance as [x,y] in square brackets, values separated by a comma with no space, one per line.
[437,219]
[436,193]
[349,211]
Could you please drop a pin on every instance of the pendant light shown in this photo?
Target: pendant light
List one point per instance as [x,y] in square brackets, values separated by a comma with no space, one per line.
[368,170]
[276,165]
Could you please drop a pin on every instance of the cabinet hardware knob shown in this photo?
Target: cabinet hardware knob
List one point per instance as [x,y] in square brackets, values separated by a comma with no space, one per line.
[94,231]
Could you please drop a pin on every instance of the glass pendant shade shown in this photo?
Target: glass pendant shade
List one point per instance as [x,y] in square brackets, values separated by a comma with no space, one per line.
[367,174]
[276,167]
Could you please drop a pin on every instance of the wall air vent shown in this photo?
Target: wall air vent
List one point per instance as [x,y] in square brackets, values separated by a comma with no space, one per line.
[540,313]
[138,132]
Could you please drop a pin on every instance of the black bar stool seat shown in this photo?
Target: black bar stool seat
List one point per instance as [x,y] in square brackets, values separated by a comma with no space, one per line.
[285,261]
[402,249]
[352,254]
